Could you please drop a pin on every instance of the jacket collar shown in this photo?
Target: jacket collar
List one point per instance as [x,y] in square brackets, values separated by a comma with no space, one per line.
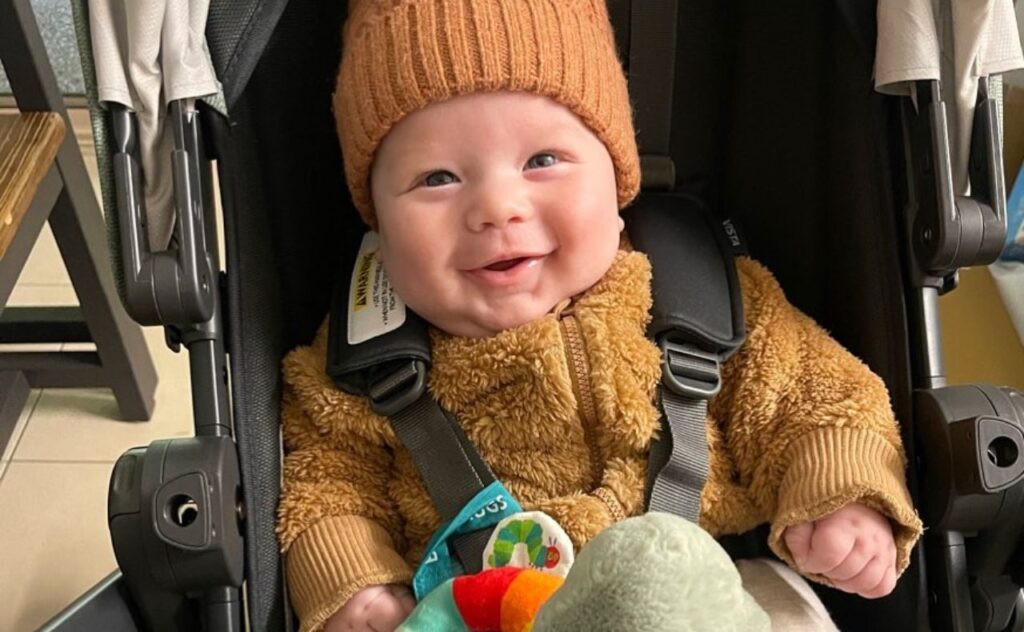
[466,369]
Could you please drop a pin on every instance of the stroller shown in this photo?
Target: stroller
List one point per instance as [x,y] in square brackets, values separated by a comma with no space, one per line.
[764,112]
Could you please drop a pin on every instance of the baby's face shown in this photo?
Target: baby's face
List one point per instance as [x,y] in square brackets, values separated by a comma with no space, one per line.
[492,208]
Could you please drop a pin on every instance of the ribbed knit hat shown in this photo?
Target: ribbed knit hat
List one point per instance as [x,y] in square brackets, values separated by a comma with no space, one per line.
[402,55]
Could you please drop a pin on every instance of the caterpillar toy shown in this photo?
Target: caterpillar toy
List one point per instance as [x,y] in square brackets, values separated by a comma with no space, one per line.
[655,573]
[530,534]
[525,561]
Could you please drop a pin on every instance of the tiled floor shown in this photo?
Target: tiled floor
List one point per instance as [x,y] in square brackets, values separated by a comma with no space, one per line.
[54,543]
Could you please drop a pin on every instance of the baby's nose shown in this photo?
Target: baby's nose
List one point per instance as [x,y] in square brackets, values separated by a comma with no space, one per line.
[498,207]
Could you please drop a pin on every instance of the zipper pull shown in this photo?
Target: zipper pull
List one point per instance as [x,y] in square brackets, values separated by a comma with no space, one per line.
[563,308]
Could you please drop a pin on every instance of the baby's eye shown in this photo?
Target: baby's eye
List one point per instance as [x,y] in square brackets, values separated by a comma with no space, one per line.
[439,179]
[539,161]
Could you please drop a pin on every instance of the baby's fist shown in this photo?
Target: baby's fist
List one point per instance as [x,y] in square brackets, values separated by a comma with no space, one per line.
[373,609]
[853,547]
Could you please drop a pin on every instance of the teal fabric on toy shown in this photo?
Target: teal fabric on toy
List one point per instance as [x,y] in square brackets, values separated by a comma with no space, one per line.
[435,613]
[486,509]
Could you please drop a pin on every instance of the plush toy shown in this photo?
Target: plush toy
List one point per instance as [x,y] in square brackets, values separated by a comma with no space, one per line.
[495,600]
[525,561]
[655,572]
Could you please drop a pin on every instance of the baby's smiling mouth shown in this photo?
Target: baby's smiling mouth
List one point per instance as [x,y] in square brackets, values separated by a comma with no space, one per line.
[504,261]
[500,266]
[508,270]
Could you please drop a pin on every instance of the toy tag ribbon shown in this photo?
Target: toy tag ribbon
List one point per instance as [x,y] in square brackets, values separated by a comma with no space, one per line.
[486,509]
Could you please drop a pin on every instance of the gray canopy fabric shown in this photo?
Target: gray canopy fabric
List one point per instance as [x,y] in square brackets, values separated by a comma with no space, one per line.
[955,41]
[147,54]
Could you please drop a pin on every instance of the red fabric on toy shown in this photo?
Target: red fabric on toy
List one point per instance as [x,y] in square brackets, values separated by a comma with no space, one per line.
[478,597]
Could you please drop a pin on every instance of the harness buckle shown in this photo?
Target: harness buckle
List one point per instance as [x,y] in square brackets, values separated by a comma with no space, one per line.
[398,388]
[688,371]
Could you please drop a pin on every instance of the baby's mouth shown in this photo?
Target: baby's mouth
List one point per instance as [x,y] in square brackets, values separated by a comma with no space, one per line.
[501,266]
[508,272]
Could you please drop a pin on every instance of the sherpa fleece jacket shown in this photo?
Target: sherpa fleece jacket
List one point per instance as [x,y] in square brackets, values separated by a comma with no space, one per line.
[563,410]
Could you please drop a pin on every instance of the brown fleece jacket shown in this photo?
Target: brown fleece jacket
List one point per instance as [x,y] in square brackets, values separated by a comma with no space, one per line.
[563,411]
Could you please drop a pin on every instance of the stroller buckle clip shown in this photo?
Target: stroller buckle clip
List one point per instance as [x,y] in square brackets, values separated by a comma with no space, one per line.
[398,389]
[688,371]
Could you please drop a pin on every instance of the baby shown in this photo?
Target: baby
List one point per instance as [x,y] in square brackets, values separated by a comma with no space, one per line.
[490,144]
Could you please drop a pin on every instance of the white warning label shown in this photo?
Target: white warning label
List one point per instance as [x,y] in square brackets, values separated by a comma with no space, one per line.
[373,307]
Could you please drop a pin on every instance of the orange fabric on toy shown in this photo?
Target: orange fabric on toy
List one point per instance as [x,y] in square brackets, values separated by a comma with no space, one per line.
[503,599]
[525,595]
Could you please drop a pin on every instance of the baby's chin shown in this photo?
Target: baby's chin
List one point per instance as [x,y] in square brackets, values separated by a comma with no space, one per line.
[496,319]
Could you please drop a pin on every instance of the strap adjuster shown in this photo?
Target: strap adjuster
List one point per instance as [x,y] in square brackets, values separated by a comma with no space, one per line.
[688,371]
[398,389]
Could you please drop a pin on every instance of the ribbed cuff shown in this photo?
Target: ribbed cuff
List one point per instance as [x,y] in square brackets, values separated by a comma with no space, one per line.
[333,560]
[833,467]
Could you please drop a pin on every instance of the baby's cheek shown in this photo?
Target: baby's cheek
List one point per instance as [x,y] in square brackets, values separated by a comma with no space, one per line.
[593,250]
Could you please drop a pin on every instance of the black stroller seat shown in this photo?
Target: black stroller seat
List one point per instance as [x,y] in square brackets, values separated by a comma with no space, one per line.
[767,115]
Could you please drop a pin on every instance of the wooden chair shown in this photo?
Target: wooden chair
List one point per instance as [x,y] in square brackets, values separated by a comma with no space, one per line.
[43,178]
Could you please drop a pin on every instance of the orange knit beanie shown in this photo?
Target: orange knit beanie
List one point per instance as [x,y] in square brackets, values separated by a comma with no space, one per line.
[402,55]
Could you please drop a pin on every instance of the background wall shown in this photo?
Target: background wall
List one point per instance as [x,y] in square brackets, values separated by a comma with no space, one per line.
[981,344]
[58,31]
[979,339]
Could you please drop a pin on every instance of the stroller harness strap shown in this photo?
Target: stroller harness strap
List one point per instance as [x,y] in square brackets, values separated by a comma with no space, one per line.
[391,371]
[451,468]
[678,463]
[696,331]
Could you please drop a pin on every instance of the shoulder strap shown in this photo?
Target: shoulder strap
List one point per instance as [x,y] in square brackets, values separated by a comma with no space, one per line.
[696,331]
[391,370]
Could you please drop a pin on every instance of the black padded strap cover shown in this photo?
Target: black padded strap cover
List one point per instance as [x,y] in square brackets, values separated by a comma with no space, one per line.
[696,292]
[696,303]
[353,367]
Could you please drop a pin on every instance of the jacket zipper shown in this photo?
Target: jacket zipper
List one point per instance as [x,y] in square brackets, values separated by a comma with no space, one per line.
[579,372]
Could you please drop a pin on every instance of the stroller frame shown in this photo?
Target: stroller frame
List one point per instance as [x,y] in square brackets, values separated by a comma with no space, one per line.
[955,582]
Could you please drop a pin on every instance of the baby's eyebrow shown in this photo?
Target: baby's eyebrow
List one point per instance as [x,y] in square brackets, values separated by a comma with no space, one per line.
[423,151]
[557,132]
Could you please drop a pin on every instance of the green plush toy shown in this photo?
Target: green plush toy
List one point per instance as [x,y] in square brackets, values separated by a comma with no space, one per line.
[654,572]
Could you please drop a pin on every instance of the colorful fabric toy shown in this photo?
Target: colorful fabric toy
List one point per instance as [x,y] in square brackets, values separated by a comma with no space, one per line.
[492,507]
[502,599]
[656,573]
[530,539]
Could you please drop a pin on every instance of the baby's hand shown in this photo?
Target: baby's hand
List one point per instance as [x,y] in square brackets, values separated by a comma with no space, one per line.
[853,547]
[373,609]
